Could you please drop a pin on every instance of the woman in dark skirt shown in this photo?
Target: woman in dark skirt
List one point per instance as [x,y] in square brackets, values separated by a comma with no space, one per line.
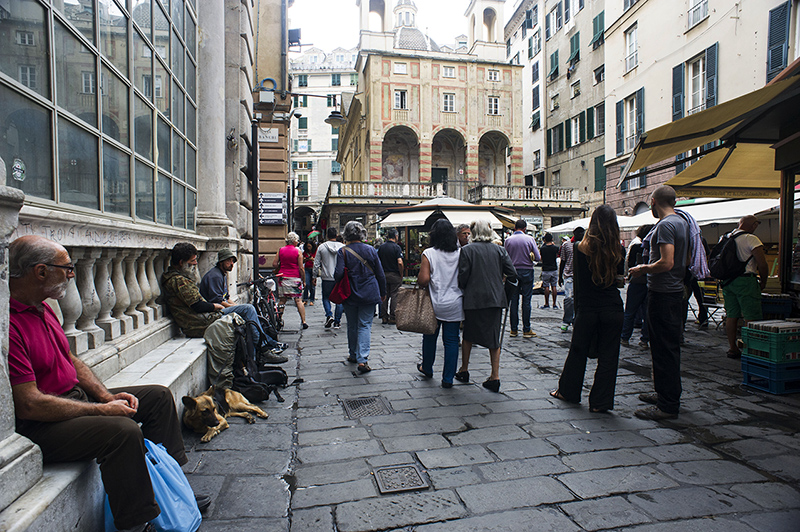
[481,268]
[598,264]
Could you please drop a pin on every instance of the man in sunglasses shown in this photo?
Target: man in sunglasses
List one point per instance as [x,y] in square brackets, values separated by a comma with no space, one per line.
[64,408]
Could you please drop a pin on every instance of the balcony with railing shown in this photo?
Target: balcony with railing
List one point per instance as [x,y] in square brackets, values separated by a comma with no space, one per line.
[471,191]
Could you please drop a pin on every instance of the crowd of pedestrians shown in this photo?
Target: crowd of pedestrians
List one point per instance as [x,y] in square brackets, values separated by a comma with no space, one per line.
[473,281]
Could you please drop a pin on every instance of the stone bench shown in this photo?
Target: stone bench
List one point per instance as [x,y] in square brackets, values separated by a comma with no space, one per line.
[69,496]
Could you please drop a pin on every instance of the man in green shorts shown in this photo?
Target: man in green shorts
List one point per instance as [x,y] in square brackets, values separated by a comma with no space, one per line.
[743,294]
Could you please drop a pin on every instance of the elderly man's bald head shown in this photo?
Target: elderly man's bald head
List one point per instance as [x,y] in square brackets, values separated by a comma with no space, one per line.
[748,223]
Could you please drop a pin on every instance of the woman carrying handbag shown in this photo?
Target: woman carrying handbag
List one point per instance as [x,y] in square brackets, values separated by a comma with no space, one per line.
[439,273]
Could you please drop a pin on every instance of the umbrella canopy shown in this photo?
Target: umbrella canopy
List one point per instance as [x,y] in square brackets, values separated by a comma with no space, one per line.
[709,212]
[457,211]
[583,222]
[403,219]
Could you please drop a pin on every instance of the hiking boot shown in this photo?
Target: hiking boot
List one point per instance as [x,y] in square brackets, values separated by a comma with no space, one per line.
[654,413]
[528,334]
[651,398]
[329,322]
[513,333]
[272,358]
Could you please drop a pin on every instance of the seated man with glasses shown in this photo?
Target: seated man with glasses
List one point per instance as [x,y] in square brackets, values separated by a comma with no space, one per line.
[63,407]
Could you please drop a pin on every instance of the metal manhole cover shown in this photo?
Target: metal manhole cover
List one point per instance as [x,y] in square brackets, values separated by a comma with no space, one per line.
[400,478]
[365,406]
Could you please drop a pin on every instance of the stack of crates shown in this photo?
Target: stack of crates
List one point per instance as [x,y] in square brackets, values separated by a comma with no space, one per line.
[776,306]
[771,358]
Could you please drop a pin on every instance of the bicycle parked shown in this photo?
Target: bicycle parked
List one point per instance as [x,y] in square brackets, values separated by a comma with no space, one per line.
[266,304]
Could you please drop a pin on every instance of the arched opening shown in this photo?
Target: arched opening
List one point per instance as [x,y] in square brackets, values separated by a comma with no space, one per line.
[472,28]
[304,218]
[377,8]
[448,161]
[400,162]
[492,159]
[641,207]
[489,23]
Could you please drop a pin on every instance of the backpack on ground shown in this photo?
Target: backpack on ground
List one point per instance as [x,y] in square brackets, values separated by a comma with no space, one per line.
[724,263]
[253,380]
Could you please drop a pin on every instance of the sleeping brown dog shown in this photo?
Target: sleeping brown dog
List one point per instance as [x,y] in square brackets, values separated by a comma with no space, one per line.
[202,415]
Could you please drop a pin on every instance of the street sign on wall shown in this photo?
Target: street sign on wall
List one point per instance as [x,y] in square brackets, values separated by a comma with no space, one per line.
[272,208]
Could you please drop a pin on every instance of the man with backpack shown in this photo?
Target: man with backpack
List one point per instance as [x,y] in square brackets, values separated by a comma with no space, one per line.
[738,261]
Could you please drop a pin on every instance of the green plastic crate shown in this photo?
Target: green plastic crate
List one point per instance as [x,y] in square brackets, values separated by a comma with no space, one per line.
[780,348]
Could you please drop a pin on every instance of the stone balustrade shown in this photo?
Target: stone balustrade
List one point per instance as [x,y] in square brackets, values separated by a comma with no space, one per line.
[522,193]
[385,190]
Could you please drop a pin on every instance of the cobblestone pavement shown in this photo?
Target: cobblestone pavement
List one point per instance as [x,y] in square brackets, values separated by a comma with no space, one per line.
[514,461]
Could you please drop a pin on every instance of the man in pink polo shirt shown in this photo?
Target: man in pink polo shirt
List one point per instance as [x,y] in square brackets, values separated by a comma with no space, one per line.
[64,408]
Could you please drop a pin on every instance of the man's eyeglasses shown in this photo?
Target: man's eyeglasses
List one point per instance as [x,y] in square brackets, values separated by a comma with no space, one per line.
[69,267]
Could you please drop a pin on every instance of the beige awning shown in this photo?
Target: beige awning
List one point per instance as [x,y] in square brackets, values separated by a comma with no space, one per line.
[706,126]
[403,219]
[741,171]
[467,217]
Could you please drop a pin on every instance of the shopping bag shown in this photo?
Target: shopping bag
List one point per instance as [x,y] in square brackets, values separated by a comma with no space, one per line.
[341,290]
[174,495]
[415,311]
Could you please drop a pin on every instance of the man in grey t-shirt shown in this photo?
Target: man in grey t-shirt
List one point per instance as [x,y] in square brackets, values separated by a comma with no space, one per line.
[666,269]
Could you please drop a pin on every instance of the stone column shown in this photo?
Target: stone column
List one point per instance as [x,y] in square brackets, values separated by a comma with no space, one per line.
[155,289]
[121,289]
[71,309]
[84,260]
[211,218]
[133,287]
[20,459]
[144,285]
[108,297]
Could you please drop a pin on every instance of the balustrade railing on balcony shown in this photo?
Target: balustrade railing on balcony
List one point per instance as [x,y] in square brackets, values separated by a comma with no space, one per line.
[470,191]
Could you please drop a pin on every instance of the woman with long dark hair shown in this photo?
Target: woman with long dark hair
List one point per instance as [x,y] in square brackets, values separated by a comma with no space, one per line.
[309,254]
[598,267]
[439,273]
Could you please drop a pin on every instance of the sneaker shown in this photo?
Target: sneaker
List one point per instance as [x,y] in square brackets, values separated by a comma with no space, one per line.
[545,306]
[654,413]
[513,333]
[643,344]
[272,358]
[283,346]
[564,327]
[651,398]
[278,349]
[528,334]
[337,325]
[624,342]
[329,322]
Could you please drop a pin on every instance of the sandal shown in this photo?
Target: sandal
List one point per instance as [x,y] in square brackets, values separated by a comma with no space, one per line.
[557,395]
[364,368]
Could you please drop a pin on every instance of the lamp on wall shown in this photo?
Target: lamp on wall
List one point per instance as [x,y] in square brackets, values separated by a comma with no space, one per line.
[335,119]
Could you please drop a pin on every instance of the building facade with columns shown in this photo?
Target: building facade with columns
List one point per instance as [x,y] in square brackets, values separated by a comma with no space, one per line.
[124,128]
[428,122]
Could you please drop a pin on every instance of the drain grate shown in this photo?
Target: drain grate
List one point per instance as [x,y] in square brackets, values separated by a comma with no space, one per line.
[365,406]
[400,478]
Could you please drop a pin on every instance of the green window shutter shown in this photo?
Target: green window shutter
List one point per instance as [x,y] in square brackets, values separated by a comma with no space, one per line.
[567,133]
[599,173]
[590,123]
[620,144]
[334,130]
[582,126]
[302,188]
[677,92]
[778,40]
[530,47]
[310,165]
[574,48]
[334,144]
[711,75]
[302,123]
[294,145]
[550,141]
[639,113]
[294,164]
[309,144]
[305,101]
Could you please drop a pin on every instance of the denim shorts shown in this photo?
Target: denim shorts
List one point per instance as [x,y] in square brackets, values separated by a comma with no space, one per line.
[550,278]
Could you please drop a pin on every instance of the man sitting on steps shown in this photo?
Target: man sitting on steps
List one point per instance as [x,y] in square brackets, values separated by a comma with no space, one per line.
[63,407]
[194,314]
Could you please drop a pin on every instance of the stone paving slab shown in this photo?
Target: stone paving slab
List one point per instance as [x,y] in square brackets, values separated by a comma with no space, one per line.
[312,520]
[506,495]
[577,443]
[511,521]
[398,511]
[770,495]
[682,503]
[590,484]
[528,468]
[775,521]
[453,457]
[710,472]
[607,512]
[713,524]
[334,493]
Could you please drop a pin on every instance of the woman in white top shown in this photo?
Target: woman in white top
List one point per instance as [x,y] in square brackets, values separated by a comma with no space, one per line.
[439,272]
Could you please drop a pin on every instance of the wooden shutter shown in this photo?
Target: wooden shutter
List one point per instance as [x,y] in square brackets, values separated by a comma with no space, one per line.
[639,113]
[677,92]
[620,127]
[590,123]
[711,75]
[599,173]
[778,40]
[566,10]
[550,141]
[567,133]
[582,126]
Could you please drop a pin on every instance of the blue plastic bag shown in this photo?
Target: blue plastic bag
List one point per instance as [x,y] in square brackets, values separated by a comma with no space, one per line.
[174,495]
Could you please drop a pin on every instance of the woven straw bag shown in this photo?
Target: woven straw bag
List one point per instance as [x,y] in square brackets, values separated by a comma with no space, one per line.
[415,311]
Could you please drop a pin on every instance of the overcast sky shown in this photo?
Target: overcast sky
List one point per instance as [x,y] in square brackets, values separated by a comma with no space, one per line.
[328,24]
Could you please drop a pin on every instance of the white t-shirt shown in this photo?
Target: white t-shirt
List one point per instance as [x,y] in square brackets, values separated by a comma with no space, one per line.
[745,245]
[446,296]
